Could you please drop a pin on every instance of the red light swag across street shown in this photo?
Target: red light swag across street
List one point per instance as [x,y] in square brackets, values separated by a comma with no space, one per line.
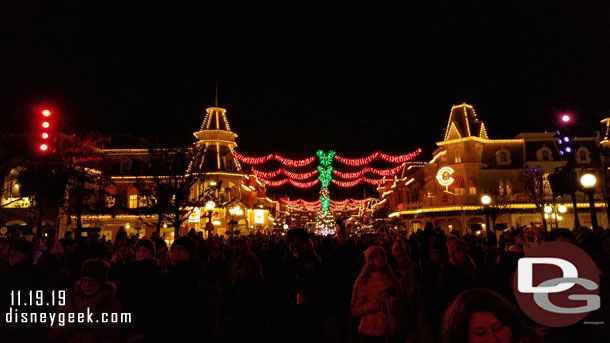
[357,174]
[292,175]
[358,162]
[290,181]
[264,159]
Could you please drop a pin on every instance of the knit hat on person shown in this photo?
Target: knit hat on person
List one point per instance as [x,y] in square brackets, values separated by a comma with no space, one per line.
[147,243]
[96,269]
[188,243]
[454,244]
[57,249]
[368,252]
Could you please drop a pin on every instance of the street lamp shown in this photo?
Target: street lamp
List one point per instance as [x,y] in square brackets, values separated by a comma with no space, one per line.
[486,201]
[553,212]
[588,182]
[235,211]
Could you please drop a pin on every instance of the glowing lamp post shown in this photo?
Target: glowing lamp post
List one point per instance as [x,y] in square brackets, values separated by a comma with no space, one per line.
[588,182]
[486,201]
[553,212]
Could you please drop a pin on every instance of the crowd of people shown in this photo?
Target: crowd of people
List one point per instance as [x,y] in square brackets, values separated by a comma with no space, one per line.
[386,286]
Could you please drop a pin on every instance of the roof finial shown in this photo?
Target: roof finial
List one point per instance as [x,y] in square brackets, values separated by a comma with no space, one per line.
[216,101]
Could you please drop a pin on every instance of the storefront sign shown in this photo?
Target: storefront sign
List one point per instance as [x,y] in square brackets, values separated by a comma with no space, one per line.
[259,216]
[195,216]
[444,176]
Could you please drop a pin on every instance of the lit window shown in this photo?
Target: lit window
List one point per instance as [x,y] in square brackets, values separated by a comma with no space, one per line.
[472,190]
[133,201]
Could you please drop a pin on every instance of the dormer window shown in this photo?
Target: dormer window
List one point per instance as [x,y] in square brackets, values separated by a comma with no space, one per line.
[583,155]
[458,156]
[544,154]
[503,157]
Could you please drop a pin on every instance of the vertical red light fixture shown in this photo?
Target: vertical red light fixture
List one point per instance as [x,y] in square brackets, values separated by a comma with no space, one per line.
[45,131]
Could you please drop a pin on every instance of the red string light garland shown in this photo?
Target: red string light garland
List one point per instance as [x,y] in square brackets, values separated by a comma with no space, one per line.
[292,175]
[298,184]
[353,183]
[358,162]
[283,160]
[313,206]
[357,174]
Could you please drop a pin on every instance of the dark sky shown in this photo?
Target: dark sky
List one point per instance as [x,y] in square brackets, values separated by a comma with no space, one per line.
[296,79]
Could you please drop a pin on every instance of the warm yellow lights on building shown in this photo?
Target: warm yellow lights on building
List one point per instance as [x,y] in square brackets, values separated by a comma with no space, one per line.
[467,208]
[236,211]
[444,176]
[588,180]
[480,140]
[442,153]
[562,209]
[259,216]
[485,200]
[195,216]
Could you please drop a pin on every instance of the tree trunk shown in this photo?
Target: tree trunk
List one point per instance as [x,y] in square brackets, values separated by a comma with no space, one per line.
[159,221]
[40,213]
[575,210]
[176,225]
[543,220]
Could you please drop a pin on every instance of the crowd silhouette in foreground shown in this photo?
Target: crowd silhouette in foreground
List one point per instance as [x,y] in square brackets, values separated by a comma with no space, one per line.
[385,286]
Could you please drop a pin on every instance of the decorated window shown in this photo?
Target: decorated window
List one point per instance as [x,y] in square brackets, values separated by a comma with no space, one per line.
[503,157]
[583,155]
[132,197]
[544,154]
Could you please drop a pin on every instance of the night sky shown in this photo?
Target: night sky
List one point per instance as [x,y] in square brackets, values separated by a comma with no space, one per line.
[296,79]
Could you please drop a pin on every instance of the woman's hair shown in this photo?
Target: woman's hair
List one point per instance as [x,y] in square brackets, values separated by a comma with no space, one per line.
[386,271]
[250,260]
[457,317]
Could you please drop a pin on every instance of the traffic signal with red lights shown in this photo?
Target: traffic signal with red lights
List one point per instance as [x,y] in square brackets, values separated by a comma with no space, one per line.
[46,128]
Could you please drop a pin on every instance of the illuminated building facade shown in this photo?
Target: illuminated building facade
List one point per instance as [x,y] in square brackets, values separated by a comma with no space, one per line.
[239,199]
[468,164]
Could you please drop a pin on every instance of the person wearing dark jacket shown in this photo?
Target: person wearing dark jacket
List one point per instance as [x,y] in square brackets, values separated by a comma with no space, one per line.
[188,315]
[460,273]
[248,303]
[139,291]
[305,270]
[21,276]
[92,292]
[344,264]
